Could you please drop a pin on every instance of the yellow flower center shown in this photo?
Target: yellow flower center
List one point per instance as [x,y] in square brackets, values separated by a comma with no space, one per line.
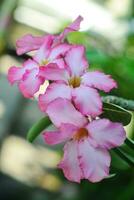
[44,62]
[74,81]
[80,134]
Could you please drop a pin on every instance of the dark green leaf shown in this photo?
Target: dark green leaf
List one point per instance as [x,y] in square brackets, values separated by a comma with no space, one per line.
[130,143]
[37,128]
[117,162]
[124,156]
[116,114]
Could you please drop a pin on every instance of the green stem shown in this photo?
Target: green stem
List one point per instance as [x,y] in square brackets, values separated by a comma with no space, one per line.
[37,128]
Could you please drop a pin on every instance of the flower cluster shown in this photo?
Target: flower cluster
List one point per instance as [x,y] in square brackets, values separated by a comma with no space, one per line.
[71,101]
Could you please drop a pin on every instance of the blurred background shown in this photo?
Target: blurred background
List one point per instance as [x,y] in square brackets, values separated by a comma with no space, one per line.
[28,171]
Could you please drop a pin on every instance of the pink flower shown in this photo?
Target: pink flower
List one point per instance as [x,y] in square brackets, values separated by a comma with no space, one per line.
[51,49]
[29,43]
[29,76]
[75,83]
[26,77]
[86,153]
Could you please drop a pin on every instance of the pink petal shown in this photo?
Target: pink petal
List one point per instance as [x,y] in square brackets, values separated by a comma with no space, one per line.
[106,134]
[28,43]
[54,73]
[62,111]
[60,62]
[53,137]
[70,162]
[15,74]
[74,26]
[87,100]
[56,137]
[54,91]
[30,83]
[99,80]
[76,61]
[30,64]
[94,162]
[58,50]
[43,52]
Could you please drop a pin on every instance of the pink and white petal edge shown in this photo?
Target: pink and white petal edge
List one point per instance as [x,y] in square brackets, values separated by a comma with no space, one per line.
[28,43]
[87,100]
[70,163]
[76,60]
[99,80]
[62,111]
[54,91]
[106,134]
[94,162]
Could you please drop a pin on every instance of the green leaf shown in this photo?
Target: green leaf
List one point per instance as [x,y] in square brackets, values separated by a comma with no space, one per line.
[130,143]
[76,38]
[116,114]
[117,162]
[37,128]
[124,156]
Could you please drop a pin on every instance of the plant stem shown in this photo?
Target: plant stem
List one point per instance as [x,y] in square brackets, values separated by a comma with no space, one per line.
[37,128]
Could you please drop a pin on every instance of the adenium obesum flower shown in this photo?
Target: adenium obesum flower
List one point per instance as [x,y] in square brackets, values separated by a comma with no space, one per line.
[71,101]
[86,153]
[50,49]
[29,77]
[30,43]
[75,83]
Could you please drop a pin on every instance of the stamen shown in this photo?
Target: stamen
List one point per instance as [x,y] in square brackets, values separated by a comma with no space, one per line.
[44,62]
[80,134]
[74,81]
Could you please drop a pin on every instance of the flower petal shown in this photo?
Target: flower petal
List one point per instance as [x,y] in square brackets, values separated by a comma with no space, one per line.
[70,162]
[74,26]
[87,100]
[76,61]
[62,111]
[28,43]
[99,80]
[54,73]
[30,64]
[30,83]
[52,137]
[53,91]
[64,133]
[106,134]
[94,162]
[43,52]
[15,74]
[58,50]
[60,62]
